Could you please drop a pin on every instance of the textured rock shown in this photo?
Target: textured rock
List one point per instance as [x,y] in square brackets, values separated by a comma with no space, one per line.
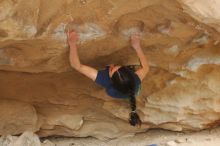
[17,117]
[26,139]
[205,11]
[47,143]
[41,93]
[7,140]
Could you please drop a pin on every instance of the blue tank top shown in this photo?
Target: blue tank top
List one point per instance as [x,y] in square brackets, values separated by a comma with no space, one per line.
[104,80]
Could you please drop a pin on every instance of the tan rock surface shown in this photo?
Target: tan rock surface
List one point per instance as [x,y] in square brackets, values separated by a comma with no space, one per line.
[16,117]
[26,139]
[179,93]
[203,10]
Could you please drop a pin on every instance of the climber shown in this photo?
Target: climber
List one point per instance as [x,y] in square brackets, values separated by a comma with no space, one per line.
[119,81]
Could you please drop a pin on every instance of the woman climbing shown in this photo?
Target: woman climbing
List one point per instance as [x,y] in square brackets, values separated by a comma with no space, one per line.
[119,81]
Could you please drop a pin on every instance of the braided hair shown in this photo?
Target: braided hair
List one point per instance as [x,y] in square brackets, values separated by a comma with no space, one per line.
[123,80]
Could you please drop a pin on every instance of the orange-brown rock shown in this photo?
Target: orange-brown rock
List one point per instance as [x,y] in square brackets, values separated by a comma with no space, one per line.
[40,92]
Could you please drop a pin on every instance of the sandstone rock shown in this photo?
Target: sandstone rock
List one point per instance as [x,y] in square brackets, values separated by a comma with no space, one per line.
[7,140]
[16,117]
[47,143]
[180,140]
[26,139]
[199,10]
[39,91]
[171,143]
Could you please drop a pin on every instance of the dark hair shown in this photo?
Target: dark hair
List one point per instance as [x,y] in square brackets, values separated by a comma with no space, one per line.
[123,80]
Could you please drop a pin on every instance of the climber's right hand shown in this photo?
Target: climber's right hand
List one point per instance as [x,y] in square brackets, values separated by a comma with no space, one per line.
[72,37]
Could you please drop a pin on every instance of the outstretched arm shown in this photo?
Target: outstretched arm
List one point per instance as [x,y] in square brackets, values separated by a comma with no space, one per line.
[74,58]
[135,42]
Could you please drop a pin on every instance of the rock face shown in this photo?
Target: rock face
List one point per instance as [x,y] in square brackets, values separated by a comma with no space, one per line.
[40,92]
[16,117]
[26,139]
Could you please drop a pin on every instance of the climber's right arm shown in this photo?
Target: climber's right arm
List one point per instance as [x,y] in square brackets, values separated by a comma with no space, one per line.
[135,42]
[74,58]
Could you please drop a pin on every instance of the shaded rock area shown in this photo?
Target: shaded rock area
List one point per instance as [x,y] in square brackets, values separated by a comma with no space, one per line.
[40,92]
